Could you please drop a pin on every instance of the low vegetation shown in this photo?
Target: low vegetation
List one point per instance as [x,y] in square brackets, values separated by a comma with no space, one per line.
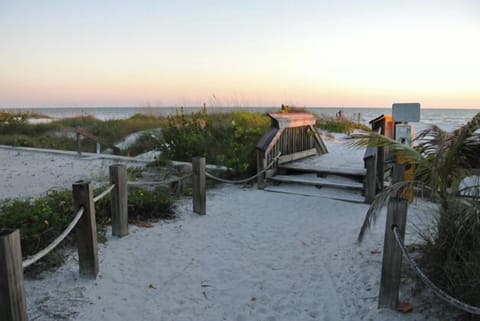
[42,219]
[15,130]
[227,139]
[339,125]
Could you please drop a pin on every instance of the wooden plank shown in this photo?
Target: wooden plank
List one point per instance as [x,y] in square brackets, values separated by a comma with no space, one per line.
[297,155]
[265,140]
[324,192]
[358,172]
[86,230]
[199,185]
[12,293]
[392,255]
[285,120]
[119,200]
[320,145]
[343,183]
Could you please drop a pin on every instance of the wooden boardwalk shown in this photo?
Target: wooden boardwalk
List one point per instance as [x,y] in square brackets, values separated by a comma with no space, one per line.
[342,158]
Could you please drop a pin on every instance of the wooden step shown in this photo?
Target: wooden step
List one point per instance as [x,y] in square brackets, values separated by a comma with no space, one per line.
[333,181]
[323,192]
[332,170]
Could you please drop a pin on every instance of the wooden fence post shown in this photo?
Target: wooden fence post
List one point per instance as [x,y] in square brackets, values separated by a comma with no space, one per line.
[79,144]
[119,200]
[12,293]
[199,185]
[392,254]
[370,162]
[86,230]
[370,179]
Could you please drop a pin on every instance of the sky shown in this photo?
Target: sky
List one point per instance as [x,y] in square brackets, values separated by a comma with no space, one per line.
[314,53]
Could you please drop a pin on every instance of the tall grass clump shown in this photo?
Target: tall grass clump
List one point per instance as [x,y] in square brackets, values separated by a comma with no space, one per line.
[339,125]
[227,139]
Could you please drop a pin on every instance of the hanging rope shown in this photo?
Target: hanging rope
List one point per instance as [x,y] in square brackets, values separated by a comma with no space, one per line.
[439,292]
[246,180]
[54,244]
[105,192]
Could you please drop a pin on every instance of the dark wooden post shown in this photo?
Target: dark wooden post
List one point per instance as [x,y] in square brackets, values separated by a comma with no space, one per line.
[79,145]
[380,168]
[119,200]
[370,160]
[199,185]
[86,229]
[392,255]
[12,293]
[260,167]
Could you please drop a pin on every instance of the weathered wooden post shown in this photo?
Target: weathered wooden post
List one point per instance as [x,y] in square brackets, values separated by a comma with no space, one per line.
[79,144]
[392,254]
[12,293]
[199,185]
[86,230]
[370,161]
[119,200]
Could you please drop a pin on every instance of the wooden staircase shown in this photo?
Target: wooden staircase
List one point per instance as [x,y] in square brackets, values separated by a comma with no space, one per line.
[293,158]
[346,184]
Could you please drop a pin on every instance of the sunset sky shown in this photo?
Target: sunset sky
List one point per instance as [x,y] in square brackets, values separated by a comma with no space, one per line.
[319,53]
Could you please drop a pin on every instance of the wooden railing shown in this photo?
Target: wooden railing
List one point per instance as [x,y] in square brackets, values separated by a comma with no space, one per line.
[79,131]
[294,136]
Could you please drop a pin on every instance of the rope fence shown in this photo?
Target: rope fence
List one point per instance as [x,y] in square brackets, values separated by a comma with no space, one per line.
[436,290]
[104,193]
[34,258]
[246,180]
[12,292]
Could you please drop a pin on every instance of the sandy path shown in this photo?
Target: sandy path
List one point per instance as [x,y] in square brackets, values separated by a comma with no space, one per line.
[254,256]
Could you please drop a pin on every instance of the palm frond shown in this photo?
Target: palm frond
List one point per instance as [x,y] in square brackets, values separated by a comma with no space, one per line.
[381,200]
[372,139]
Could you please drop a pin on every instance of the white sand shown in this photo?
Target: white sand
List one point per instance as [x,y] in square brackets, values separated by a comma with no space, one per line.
[29,173]
[256,255]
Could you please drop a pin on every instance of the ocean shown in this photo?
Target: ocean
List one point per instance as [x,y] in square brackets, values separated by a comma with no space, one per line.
[447,119]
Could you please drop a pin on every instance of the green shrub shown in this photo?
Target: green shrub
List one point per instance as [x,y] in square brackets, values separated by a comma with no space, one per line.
[226,139]
[40,220]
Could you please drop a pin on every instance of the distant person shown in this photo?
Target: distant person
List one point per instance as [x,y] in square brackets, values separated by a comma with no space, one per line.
[339,114]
